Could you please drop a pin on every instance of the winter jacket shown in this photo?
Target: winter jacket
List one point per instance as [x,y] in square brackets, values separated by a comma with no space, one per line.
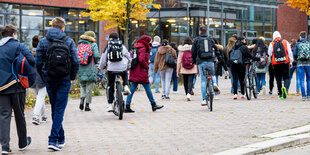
[8,50]
[159,63]
[119,66]
[140,74]
[265,69]
[245,51]
[41,55]
[299,62]
[221,64]
[88,72]
[39,83]
[155,45]
[195,51]
[180,68]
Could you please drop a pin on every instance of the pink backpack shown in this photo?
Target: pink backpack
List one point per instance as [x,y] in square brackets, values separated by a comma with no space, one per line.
[84,52]
[187,60]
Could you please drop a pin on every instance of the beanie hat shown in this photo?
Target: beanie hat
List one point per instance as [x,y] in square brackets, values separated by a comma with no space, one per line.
[157,39]
[90,34]
[146,38]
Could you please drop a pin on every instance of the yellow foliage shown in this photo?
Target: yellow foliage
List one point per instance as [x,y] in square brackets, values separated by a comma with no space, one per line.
[303,5]
[117,12]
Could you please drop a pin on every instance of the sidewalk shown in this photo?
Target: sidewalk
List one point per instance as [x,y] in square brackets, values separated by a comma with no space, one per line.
[181,127]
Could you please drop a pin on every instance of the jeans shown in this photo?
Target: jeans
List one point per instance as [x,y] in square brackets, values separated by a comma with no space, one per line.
[297,78]
[147,89]
[209,65]
[175,81]
[261,79]
[302,71]
[232,81]
[39,108]
[153,76]
[165,76]
[194,81]
[58,93]
[86,88]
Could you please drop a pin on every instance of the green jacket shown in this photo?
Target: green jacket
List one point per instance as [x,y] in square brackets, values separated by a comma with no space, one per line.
[88,72]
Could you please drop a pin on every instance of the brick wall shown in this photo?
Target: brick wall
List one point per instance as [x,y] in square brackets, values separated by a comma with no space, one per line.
[290,21]
[103,41]
[59,3]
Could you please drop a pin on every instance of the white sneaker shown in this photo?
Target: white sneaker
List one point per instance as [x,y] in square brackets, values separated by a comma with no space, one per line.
[242,96]
[175,92]
[264,90]
[216,89]
[188,97]
[109,108]
[216,97]
[203,103]
[127,91]
[235,96]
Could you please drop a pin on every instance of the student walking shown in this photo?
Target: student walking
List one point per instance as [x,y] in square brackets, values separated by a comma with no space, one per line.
[39,86]
[186,67]
[292,70]
[57,63]
[12,93]
[174,79]
[281,60]
[154,77]
[89,56]
[139,74]
[165,70]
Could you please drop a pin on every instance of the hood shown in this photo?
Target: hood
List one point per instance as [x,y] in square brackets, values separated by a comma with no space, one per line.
[238,44]
[155,44]
[185,47]
[55,33]
[89,38]
[3,41]
[164,49]
[275,35]
[141,44]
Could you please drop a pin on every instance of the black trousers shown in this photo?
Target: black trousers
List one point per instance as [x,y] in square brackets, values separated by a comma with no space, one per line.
[238,73]
[282,71]
[17,102]
[111,83]
[271,77]
[188,82]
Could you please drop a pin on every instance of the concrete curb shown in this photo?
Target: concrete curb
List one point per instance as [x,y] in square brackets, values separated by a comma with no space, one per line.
[265,146]
[294,131]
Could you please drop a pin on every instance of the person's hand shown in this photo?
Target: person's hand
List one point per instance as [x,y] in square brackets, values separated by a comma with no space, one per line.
[291,65]
[178,75]
[227,73]
[262,59]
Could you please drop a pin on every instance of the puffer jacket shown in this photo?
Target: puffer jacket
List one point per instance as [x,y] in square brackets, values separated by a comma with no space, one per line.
[159,63]
[180,68]
[88,72]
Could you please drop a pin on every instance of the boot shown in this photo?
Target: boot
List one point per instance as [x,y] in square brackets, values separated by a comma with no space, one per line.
[155,107]
[87,107]
[128,109]
[82,103]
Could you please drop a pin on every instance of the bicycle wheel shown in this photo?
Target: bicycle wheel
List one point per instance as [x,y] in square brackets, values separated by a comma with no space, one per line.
[254,84]
[120,101]
[247,87]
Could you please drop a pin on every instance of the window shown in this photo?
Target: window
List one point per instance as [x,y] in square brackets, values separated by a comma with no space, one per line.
[9,8]
[52,11]
[12,19]
[32,22]
[32,10]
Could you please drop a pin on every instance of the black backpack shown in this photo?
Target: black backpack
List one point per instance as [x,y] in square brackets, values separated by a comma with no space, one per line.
[261,65]
[135,58]
[205,48]
[170,61]
[58,58]
[115,51]
[235,56]
[279,52]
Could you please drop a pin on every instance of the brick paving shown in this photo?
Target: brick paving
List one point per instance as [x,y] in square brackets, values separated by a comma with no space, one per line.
[181,127]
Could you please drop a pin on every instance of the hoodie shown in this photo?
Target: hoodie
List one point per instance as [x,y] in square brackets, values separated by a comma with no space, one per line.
[159,63]
[246,54]
[277,36]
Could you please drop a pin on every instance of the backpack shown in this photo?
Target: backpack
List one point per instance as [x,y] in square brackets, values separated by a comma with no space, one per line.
[153,53]
[135,58]
[261,65]
[187,60]
[235,56]
[58,58]
[84,51]
[205,48]
[22,70]
[115,51]
[170,61]
[303,51]
[279,52]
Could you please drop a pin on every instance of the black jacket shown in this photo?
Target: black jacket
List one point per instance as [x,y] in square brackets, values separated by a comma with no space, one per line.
[246,54]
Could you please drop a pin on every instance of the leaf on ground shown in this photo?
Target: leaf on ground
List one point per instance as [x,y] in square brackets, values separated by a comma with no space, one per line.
[222,116]
[142,110]
[264,99]
[293,108]
[174,111]
[271,96]
[132,123]
[132,104]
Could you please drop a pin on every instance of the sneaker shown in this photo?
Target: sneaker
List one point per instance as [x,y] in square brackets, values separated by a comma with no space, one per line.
[281,98]
[216,97]
[128,109]
[203,103]
[304,98]
[270,92]
[242,96]
[4,152]
[28,143]
[188,97]
[109,108]
[216,89]
[264,90]
[163,96]
[175,92]
[54,146]
[297,92]
[44,119]
[157,91]
[192,92]
[308,98]
[235,97]
[167,98]
[62,144]
[126,90]
[35,120]
[284,93]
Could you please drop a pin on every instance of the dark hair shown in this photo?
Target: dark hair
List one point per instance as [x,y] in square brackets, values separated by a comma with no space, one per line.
[114,35]
[260,44]
[174,46]
[254,41]
[235,36]
[215,40]
[303,34]
[8,31]
[188,40]
[240,38]
[35,41]
[293,43]
[203,29]
[165,42]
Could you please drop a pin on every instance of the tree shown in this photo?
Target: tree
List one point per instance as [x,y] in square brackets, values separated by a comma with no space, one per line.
[303,5]
[118,13]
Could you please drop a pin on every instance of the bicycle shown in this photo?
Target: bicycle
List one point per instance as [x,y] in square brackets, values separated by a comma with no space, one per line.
[118,103]
[250,85]
[102,79]
[210,90]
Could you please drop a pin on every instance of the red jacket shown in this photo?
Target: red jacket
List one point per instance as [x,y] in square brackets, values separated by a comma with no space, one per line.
[141,73]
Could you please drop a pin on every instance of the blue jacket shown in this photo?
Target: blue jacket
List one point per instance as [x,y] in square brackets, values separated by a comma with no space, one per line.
[55,33]
[8,49]
[295,54]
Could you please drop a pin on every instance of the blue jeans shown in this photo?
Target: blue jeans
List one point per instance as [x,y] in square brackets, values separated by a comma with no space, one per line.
[154,76]
[231,81]
[194,81]
[175,81]
[58,93]
[302,70]
[261,79]
[209,65]
[297,78]
[147,88]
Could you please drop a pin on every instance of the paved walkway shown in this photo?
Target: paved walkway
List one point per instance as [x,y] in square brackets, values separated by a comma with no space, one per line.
[181,127]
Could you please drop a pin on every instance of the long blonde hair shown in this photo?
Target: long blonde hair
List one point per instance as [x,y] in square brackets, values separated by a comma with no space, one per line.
[230,45]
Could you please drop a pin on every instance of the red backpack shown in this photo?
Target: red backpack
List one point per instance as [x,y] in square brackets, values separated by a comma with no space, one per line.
[187,60]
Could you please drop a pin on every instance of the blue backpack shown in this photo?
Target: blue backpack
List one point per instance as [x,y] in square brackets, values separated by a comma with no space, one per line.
[153,53]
